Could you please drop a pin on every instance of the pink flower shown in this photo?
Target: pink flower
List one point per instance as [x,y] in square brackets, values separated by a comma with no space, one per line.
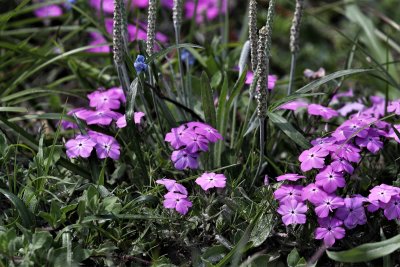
[104,100]
[288,192]
[172,186]
[211,180]
[329,229]
[271,79]
[48,11]
[194,142]
[383,193]
[329,180]
[294,105]
[394,106]
[392,208]
[81,146]
[97,39]
[205,9]
[177,201]
[293,212]
[290,177]
[183,160]
[313,193]
[313,158]
[101,117]
[328,204]
[175,137]
[371,141]
[324,112]
[106,146]
[137,117]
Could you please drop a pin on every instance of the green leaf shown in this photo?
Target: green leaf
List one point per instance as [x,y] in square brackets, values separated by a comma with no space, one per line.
[13,109]
[41,240]
[28,219]
[294,260]
[330,77]
[207,100]
[367,252]
[289,130]
[262,229]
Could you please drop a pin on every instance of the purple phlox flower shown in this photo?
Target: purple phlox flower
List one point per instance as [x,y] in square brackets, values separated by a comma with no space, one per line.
[371,141]
[391,210]
[184,160]
[175,137]
[137,117]
[335,98]
[313,158]
[340,164]
[271,79]
[211,180]
[205,130]
[106,146]
[81,146]
[177,201]
[103,100]
[383,193]
[324,112]
[323,142]
[350,129]
[353,212]
[96,39]
[313,194]
[329,230]
[194,142]
[293,212]
[294,105]
[290,177]
[288,192]
[392,133]
[71,125]
[394,106]
[48,11]
[314,74]
[346,151]
[374,205]
[102,117]
[172,186]
[350,107]
[328,204]
[208,9]
[329,180]
[106,5]
[117,93]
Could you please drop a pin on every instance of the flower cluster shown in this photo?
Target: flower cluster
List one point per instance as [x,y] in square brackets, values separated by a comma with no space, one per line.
[335,158]
[104,102]
[189,140]
[177,196]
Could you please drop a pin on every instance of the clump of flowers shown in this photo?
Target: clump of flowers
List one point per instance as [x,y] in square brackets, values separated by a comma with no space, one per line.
[335,158]
[105,104]
[177,197]
[189,140]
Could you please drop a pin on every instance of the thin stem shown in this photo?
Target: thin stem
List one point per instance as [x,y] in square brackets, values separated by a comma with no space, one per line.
[292,73]
[262,148]
[183,93]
